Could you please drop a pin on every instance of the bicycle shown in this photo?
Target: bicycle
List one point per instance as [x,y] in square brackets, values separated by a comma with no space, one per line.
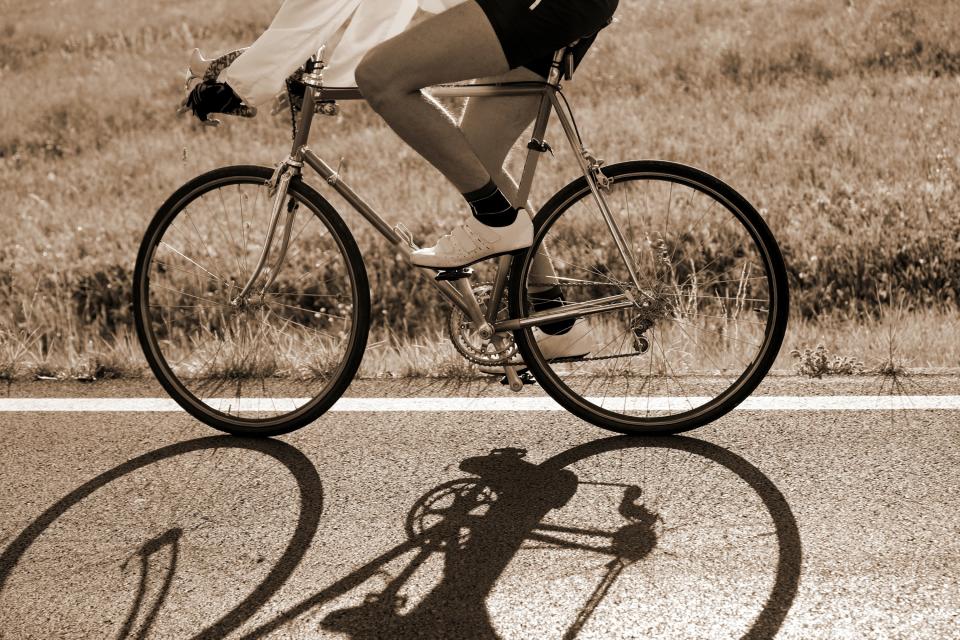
[679,279]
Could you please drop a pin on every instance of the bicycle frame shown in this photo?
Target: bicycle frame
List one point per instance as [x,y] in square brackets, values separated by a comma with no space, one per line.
[459,293]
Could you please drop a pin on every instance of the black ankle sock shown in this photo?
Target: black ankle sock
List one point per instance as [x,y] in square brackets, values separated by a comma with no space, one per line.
[551,299]
[490,206]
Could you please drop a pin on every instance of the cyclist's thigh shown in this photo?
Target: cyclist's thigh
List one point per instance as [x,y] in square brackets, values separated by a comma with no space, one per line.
[528,31]
[458,44]
[493,124]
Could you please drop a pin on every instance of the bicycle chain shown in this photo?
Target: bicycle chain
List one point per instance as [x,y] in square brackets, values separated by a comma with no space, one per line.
[458,319]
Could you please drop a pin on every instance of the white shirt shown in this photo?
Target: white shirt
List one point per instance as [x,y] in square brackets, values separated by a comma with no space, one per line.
[302,26]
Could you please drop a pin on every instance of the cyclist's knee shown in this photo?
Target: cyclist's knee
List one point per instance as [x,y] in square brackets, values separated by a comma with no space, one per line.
[378,80]
[366,77]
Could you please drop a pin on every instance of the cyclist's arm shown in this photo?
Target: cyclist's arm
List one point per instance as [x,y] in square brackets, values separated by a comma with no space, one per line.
[296,32]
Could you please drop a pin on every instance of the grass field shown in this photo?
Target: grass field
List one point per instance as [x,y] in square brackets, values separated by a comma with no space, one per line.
[839,120]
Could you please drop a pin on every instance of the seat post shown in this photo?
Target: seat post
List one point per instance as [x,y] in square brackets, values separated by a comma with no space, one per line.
[556,66]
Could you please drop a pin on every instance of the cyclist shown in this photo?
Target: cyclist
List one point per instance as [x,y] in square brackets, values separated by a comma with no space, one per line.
[505,40]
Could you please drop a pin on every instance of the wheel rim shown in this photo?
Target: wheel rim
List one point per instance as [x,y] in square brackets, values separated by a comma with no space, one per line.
[264,360]
[706,310]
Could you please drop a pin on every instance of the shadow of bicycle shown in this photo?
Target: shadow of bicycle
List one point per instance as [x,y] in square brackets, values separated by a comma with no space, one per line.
[569,538]
[479,525]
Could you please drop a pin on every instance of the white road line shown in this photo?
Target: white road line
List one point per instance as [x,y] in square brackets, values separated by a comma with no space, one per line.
[459,405]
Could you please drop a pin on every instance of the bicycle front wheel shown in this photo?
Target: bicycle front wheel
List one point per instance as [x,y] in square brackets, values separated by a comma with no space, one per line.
[690,342]
[275,359]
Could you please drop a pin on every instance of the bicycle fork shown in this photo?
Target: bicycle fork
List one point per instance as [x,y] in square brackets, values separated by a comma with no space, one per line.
[280,184]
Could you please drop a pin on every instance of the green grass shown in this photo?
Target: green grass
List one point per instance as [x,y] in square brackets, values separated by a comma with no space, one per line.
[839,120]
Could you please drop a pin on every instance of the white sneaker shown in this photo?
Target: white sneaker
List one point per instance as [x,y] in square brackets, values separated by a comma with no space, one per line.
[474,241]
[578,342]
[575,343]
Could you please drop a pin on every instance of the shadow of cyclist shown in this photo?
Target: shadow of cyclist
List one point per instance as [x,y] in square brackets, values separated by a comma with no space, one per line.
[479,529]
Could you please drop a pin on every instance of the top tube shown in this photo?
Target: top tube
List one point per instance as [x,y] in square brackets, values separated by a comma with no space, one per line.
[447,90]
[457,90]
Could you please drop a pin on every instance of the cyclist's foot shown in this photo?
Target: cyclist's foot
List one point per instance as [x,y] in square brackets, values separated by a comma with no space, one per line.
[578,342]
[474,241]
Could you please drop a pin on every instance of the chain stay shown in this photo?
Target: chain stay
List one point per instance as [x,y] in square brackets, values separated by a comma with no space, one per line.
[457,322]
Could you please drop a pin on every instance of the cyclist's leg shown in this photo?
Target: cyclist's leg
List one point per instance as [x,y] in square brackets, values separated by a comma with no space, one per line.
[465,42]
[458,44]
[492,126]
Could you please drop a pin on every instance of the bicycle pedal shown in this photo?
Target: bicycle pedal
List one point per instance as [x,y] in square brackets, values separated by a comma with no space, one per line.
[449,275]
[525,377]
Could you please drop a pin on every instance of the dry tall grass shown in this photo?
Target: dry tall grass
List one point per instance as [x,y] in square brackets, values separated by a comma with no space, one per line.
[839,120]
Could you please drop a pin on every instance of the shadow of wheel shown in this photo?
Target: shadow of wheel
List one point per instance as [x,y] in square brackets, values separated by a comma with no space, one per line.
[789,547]
[311,502]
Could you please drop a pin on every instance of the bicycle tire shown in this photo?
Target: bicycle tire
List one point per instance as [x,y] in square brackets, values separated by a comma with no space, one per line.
[700,184]
[341,372]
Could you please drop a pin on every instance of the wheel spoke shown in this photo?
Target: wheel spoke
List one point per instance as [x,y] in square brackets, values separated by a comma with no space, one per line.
[704,311]
[260,354]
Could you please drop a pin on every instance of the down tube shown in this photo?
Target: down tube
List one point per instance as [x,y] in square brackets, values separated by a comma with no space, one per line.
[371,216]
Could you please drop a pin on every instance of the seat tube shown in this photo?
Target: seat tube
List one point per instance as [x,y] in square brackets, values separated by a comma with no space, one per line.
[499,286]
[534,149]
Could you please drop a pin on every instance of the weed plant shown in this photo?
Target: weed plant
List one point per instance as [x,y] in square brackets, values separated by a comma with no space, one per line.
[839,119]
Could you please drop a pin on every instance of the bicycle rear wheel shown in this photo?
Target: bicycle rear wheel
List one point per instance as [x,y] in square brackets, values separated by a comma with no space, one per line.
[700,332]
[277,359]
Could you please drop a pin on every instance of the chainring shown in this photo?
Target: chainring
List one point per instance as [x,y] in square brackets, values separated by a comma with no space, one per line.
[470,345]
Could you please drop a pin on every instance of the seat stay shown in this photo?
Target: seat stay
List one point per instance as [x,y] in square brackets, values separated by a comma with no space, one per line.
[591,168]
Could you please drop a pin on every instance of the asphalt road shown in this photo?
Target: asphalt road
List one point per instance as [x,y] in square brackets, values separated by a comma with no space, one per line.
[481,525]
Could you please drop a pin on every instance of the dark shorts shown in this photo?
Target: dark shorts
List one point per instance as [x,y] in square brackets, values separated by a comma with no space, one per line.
[530,37]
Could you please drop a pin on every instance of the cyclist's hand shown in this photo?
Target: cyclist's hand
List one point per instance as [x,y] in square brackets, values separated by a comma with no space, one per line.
[214,97]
